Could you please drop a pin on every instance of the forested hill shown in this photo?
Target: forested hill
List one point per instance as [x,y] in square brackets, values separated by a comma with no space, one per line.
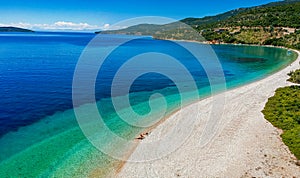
[286,14]
[275,23]
[276,13]
[212,19]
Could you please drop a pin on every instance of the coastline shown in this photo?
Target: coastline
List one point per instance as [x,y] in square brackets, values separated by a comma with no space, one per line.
[276,159]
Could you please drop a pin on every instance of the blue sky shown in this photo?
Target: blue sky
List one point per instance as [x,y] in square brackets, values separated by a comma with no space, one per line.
[91,14]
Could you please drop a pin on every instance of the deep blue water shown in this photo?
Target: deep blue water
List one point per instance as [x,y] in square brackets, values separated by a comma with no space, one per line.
[36,75]
[36,70]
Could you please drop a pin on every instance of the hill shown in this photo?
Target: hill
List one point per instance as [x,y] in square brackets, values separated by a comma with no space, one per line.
[277,15]
[212,19]
[14,29]
[258,15]
[275,23]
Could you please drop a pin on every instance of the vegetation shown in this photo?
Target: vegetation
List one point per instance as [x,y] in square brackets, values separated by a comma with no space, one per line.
[294,76]
[212,19]
[276,15]
[283,111]
[257,35]
[13,29]
[272,24]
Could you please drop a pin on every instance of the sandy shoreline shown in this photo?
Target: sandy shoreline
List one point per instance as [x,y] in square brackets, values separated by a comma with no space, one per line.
[245,144]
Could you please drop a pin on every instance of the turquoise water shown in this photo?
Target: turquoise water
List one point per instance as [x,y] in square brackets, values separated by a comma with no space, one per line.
[39,132]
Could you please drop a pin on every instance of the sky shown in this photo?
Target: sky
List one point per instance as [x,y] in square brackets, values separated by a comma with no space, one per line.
[93,15]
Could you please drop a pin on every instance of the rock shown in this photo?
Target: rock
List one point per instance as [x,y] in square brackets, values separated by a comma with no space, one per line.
[298,162]
[258,168]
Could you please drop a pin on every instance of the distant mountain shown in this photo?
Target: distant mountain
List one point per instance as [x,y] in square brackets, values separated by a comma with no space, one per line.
[14,29]
[155,30]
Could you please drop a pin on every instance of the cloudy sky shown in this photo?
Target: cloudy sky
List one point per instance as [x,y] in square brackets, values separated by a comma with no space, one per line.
[93,15]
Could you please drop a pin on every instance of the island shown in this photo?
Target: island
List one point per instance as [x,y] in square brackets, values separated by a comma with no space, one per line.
[14,29]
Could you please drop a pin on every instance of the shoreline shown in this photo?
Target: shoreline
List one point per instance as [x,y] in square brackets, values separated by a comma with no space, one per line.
[139,169]
[222,43]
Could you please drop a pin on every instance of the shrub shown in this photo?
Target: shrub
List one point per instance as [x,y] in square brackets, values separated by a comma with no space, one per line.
[283,111]
[294,76]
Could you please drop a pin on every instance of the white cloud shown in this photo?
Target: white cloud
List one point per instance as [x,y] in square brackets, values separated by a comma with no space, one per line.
[113,27]
[74,26]
[59,25]
[106,26]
